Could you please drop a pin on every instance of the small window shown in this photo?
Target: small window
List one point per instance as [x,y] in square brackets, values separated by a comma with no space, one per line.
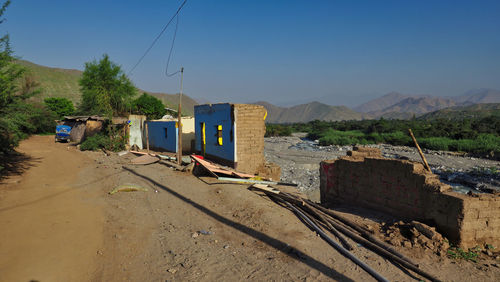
[166,132]
[203,139]
[219,135]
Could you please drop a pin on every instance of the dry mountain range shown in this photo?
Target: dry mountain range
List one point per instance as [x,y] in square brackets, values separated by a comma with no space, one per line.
[392,105]
[56,82]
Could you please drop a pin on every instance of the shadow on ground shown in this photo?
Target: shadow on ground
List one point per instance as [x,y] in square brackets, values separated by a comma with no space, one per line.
[270,241]
[15,163]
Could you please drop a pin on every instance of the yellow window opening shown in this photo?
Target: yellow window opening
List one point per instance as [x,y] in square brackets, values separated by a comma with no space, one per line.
[219,135]
[203,138]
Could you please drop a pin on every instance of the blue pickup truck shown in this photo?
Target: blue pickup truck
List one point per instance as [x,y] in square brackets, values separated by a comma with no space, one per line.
[62,133]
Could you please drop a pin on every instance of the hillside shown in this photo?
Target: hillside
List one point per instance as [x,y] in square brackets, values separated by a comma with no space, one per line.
[478,96]
[464,112]
[415,106]
[172,100]
[395,105]
[57,82]
[309,112]
[381,103]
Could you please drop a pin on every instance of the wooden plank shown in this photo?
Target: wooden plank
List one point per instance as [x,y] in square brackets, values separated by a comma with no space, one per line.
[419,151]
[217,169]
[243,180]
[266,188]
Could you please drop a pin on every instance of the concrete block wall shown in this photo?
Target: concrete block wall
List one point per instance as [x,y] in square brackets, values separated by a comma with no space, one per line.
[405,189]
[250,130]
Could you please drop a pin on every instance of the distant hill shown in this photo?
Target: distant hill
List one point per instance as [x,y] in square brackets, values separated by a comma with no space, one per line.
[479,96]
[398,106]
[172,101]
[308,112]
[56,82]
[415,106]
[464,112]
[381,103]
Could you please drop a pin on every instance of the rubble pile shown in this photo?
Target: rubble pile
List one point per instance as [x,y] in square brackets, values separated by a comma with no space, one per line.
[414,235]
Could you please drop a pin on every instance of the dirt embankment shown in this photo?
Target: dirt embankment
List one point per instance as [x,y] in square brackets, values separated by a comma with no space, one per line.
[66,227]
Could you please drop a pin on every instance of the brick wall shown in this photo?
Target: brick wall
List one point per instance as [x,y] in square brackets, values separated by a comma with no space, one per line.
[250,131]
[481,221]
[406,190]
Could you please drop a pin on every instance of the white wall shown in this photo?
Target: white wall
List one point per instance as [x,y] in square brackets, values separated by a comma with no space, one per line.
[135,130]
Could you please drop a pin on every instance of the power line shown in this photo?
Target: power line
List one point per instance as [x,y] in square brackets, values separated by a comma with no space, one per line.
[170,53]
[158,37]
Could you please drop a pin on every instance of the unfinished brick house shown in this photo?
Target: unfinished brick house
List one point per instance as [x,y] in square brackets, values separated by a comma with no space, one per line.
[406,190]
[233,135]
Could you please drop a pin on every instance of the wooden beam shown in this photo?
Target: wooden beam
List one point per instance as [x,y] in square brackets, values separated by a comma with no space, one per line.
[426,165]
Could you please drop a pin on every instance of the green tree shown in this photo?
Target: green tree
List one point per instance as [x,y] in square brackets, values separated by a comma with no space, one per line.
[150,106]
[61,106]
[10,73]
[106,90]
[18,118]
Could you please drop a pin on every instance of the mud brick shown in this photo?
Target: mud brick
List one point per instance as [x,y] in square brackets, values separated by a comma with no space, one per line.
[494,204]
[493,222]
[471,214]
[484,213]
[404,188]
[487,233]
[476,204]
[474,225]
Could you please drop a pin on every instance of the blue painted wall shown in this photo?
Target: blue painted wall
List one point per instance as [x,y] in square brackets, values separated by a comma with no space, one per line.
[157,139]
[212,116]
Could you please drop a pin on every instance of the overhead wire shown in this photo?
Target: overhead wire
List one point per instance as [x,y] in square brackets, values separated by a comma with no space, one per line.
[172,48]
[158,36]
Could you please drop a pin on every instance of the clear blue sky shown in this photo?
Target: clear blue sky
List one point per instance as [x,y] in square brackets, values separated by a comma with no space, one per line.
[284,52]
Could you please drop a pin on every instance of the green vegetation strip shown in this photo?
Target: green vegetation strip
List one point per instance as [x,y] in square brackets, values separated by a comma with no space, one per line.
[475,135]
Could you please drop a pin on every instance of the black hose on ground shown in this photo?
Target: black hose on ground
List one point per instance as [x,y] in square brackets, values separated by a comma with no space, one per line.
[337,246]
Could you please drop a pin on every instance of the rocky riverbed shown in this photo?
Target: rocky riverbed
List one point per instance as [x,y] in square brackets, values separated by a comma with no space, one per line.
[299,159]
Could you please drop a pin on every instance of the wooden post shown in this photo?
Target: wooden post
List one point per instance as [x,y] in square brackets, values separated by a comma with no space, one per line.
[426,165]
[147,137]
[179,124]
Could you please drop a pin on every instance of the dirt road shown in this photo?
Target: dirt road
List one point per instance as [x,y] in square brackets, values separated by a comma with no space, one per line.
[51,222]
[59,226]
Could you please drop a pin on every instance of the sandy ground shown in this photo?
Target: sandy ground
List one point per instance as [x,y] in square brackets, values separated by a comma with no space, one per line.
[51,217]
[58,223]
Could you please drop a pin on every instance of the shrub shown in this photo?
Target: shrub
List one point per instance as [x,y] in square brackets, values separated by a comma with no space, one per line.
[278,130]
[436,143]
[458,253]
[60,106]
[342,138]
[150,106]
[95,142]
[398,138]
[110,140]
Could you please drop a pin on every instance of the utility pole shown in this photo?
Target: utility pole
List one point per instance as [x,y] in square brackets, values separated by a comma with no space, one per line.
[179,123]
